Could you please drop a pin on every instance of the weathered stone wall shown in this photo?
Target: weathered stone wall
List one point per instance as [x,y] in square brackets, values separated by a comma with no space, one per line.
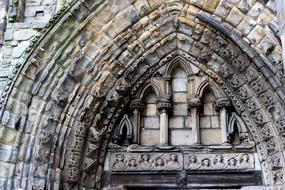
[280,7]
[56,88]
[24,23]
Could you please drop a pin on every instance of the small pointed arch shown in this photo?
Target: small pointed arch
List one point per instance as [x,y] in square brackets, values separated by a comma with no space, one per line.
[127,125]
[237,130]
[208,86]
[236,120]
[178,62]
[149,87]
[123,134]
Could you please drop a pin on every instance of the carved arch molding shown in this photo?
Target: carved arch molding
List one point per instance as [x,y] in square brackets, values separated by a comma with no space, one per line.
[80,75]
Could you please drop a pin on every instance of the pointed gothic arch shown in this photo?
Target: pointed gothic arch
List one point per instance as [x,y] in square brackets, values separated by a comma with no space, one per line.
[84,95]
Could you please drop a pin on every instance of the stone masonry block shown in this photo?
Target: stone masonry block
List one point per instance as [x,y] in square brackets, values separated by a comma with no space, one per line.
[235,17]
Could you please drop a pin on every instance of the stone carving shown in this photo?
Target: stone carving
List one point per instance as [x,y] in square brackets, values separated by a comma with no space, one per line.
[239,63]
[222,102]
[145,161]
[194,102]
[232,163]
[173,161]
[123,86]
[164,105]
[192,162]
[137,104]
[125,161]
[120,163]
[206,164]
[218,161]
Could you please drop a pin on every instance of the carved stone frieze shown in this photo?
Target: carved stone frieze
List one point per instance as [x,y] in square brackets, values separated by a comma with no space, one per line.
[219,161]
[146,161]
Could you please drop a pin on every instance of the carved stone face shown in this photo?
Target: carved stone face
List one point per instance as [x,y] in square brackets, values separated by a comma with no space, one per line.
[120,157]
[219,158]
[173,157]
[245,158]
[159,162]
[192,159]
[206,162]
[145,157]
[232,162]
[132,162]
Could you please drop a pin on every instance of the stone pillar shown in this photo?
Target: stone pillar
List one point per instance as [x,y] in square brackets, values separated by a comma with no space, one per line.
[137,106]
[164,106]
[193,106]
[221,105]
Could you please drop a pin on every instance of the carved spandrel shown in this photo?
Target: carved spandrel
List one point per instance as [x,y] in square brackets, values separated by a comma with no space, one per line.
[218,161]
[145,161]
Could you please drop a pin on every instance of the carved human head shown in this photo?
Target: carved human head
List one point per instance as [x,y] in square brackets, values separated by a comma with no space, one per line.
[132,162]
[145,157]
[173,157]
[245,158]
[120,157]
[206,162]
[219,158]
[192,159]
[159,162]
[232,162]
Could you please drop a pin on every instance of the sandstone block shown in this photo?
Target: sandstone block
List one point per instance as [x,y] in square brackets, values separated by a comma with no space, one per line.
[235,16]
[246,25]
[257,34]
[181,137]
[176,122]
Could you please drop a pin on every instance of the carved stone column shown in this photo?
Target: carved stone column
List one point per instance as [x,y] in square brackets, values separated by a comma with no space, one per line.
[221,105]
[164,106]
[137,106]
[193,106]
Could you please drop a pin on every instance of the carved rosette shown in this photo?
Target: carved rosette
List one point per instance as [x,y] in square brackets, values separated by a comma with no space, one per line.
[164,105]
[194,103]
[137,104]
[222,103]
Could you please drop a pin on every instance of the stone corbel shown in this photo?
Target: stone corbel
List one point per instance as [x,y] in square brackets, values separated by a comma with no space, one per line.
[137,107]
[194,104]
[164,107]
[221,105]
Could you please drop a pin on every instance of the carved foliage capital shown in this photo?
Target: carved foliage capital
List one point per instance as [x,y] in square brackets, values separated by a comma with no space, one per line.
[194,103]
[222,103]
[137,104]
[164,104]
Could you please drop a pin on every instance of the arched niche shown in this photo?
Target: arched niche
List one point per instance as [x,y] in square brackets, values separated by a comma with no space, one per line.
[179,121]
[150,118]
[209,119]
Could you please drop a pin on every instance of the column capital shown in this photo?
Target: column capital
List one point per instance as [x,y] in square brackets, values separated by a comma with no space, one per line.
[164,104]
[194,102]
[137,104]
[222,103]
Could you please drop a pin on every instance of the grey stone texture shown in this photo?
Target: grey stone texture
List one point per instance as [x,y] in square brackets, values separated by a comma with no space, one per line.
[52,111]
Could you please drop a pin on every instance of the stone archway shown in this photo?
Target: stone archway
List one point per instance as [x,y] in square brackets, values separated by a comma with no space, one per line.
[73,86]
